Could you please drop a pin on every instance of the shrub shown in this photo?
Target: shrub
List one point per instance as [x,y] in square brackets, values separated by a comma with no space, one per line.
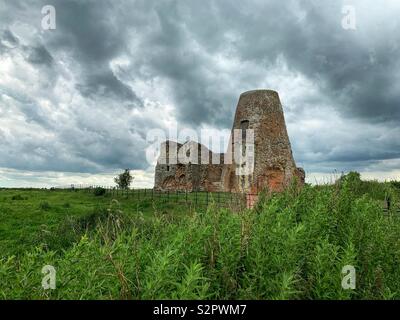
[18,197]
[44,205]
[71,229]
[396,184]
[99,191]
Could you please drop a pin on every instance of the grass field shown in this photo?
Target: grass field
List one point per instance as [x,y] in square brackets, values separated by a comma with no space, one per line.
[31,218]
[290,246]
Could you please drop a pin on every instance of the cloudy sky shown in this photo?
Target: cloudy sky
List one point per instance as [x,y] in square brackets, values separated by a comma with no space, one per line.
[77,102]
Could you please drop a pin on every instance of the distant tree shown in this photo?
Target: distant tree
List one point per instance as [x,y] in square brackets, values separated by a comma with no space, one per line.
[124,179]
[99,191]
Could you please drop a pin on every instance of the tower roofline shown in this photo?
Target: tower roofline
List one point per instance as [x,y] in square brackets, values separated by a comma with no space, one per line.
[259,91]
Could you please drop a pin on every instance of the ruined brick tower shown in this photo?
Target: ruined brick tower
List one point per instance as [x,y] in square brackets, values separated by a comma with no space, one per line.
[272,167]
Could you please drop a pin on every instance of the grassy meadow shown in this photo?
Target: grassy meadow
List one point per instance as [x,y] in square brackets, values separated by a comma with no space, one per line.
[290,246]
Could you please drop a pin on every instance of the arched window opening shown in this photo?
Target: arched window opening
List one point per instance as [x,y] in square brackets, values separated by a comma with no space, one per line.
[244,125]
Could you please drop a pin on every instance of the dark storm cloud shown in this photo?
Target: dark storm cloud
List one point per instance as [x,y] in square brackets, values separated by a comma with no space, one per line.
[204,54]
[358,75]
[8,39]
[86,34]
[36,54]
[317,46]
[39,55]
[107,84]
[88,30]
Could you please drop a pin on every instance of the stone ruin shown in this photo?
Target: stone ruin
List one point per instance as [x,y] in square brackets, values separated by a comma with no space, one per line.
[273,166]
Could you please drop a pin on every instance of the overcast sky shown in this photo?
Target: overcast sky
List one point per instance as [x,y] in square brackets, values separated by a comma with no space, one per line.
[77,102]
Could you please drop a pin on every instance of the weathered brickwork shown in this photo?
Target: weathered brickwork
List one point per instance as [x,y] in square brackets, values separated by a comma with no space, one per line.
[274,167]
[192,176]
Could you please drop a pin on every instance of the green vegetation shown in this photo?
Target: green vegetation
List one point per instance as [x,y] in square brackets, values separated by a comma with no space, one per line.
[396,184]
[124,179]
[291,246]
[99,191]
[38,217]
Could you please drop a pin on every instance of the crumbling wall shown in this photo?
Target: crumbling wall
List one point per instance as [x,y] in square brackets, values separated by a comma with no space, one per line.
[274,165]
[190,176]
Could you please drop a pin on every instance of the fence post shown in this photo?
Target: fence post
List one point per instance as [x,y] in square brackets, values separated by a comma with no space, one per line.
[207,198]
[186,195]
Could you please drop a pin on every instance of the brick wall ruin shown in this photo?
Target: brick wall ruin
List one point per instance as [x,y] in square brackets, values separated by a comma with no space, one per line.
[171,175]
[273,166]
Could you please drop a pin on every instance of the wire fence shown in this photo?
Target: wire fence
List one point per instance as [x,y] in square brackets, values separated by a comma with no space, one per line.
[193,198]
[230,200]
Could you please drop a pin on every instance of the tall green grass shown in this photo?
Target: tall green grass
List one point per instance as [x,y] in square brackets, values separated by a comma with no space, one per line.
[291,246]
